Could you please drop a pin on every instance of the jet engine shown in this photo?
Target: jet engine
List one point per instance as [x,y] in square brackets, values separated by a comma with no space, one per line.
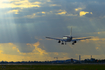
[59,41]
[74,42]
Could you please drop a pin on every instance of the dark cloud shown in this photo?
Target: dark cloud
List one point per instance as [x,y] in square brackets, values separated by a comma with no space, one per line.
[24,48]
[79,48]
[96,9]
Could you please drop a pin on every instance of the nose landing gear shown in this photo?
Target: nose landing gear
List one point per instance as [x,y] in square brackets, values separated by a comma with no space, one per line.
[62,43]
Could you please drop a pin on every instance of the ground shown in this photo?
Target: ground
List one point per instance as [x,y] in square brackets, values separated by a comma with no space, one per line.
[54,67]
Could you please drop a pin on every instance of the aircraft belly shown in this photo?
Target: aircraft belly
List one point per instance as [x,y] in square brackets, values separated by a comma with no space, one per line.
[67,40]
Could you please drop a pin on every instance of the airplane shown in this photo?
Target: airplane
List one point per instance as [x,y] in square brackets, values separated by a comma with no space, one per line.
[68,38]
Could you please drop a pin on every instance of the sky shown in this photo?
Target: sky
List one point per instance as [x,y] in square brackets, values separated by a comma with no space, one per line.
[24,24]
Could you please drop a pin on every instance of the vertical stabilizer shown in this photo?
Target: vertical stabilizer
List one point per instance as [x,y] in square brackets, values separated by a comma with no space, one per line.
[71,32]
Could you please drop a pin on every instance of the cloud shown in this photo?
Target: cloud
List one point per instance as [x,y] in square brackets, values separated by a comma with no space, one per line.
[19,4]
[78,9]
[1,51]
[71,14]
[83,13]
[9,49]
[30,16]
[26,24]
[15,48]
[94,39]
[54,5]
[62,13]
[14,11]
[43,12]
[97,48]
[41,54]
[96,7]
[56,53]
[91,13]
[12,49]
[97,39]
[39,49]
[8,57]
[37,54]
[10,43]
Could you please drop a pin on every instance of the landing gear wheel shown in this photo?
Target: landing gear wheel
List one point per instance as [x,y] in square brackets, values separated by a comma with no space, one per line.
[72,43]
[62,43]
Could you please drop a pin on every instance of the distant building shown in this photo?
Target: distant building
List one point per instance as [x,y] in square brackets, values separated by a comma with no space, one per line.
[79,57]
[92,59]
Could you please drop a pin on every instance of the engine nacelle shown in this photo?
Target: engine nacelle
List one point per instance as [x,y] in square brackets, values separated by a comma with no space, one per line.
[75,42]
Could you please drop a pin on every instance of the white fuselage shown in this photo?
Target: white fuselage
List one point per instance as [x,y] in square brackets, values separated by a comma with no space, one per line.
[67,39]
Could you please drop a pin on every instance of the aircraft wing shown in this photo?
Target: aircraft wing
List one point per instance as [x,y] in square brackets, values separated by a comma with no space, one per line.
[81,39]
[56,39]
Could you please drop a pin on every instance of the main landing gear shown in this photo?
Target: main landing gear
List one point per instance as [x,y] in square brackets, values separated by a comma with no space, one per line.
[72,43]
[62,42]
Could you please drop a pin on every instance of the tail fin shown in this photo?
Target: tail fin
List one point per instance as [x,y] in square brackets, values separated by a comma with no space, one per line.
[71,32]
